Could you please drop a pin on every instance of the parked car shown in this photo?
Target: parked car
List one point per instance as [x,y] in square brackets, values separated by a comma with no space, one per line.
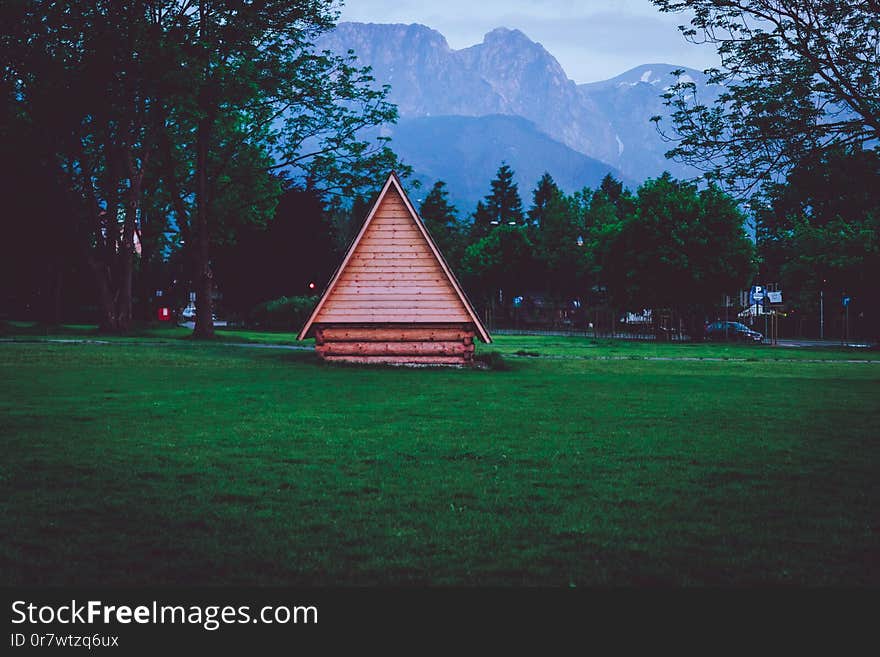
[733,331]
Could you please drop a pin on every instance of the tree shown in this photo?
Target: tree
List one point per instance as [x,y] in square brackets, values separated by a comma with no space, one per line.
[293,250]
[605,212]
[545,191]
[613,189]
[558,235]
[502,206]
[820,231]
[41,276]
[499,265]
[441,220]
[680,249]
[799,76]
[255,62]
[85,74]
[201,100]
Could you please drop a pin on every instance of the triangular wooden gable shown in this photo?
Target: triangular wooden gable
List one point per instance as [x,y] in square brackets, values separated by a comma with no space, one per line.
[393,272]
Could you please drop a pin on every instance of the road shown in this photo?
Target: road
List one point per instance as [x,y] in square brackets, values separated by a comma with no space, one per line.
[820,343]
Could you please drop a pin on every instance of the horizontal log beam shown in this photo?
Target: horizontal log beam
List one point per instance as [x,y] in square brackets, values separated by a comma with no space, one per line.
[399,360]
[394,348]
[393,278]
[393,244]
[383,298]
[382,254]
[400,285]
[399,268]
[357,334]
[351,317]
[360,304]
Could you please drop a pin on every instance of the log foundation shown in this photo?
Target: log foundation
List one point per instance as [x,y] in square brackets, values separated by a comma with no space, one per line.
[397,344]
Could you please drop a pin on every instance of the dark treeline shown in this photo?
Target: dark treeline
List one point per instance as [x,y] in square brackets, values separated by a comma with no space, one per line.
[145,137]
[793,131]
[678,250]
[154,149]
[560,261]
[668,247]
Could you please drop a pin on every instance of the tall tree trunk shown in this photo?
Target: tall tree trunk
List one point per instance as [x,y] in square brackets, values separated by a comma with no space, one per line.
[107,322]
[57,289]
[126,261]
[204,327]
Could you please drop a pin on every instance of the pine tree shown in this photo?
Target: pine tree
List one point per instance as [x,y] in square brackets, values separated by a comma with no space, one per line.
[502,206]
[546,190]
[441,220]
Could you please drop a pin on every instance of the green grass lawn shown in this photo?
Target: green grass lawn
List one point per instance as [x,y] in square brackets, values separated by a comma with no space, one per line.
[183,463]
[153,332]
[579,347]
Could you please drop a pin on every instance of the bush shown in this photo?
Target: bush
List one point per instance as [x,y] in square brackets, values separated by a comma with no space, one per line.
[491,360]
[284,314]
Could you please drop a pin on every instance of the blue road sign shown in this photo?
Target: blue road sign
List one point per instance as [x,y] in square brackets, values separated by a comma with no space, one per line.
[757,294]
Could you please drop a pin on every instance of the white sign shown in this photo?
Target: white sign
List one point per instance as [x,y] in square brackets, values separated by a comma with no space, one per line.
[775,297]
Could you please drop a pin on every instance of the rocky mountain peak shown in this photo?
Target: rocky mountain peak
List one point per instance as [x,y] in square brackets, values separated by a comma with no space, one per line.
[509,74]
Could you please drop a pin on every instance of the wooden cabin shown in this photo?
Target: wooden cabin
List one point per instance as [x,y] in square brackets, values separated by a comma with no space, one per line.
[394,299]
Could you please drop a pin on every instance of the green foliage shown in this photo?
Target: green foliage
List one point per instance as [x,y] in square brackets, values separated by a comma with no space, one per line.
[544,193]
[798,76]
[284,314]
[442,223]
[503,260]
[681,248]
[558,235]
[501,207]
[492,360]
[820,231]
[171,116]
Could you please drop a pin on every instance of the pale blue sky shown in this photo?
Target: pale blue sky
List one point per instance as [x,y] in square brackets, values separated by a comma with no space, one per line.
[592,39]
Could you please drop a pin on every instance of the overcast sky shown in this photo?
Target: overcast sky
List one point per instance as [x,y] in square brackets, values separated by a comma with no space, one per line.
[592,39]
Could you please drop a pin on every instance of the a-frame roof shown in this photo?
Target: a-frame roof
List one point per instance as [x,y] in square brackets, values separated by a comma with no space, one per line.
[437,295]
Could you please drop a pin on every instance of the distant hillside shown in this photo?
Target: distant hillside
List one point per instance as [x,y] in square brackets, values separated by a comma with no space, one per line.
[506,74]
[466,152]
[509,74]
[629,101]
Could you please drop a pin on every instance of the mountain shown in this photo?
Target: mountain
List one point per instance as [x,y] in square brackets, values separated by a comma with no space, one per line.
[426,76]
[508,74]
[533,85]
[478,145]
[628,102]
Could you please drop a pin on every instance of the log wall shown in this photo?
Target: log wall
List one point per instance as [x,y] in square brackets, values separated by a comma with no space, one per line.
[426,344]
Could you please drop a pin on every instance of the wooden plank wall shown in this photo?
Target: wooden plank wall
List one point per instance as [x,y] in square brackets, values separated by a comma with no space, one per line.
[393,276]
[397,344]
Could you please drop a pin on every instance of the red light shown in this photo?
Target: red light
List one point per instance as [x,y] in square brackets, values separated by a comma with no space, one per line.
[311,286]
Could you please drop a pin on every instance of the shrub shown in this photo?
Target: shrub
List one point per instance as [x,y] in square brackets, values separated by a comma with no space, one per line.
[284,314]
[491,360]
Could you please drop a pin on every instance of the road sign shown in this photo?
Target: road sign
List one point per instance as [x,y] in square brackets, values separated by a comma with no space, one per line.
[846,301]
[775,297]
[756,295]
